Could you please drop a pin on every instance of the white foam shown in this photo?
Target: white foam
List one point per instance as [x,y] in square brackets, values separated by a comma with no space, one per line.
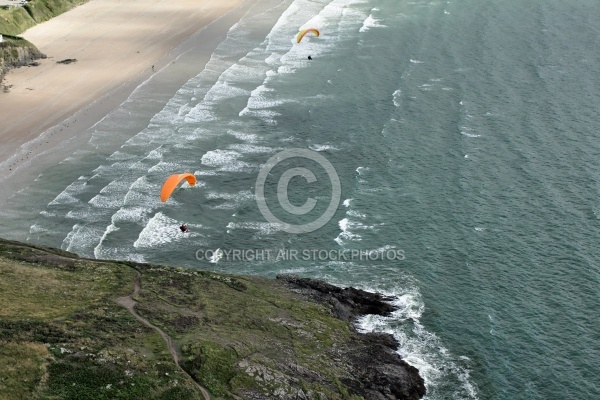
[37,229]
[346,227]
[222,91]
[98,249]
[247,137]
[362,170]
[396,98]
[323,147]
[466,131]
[161,230]
[137,215]
[81,238]
[252,149]
[241,195]
[370,22]
[164,167]
[117,186]
[106,201]
[230,201]
[417,346]
[356,214]
[226,160]
[155,154]
[119,156]
[261,227]
[217,255]
[64,198]
[201,113]
[282,56]
[206,173]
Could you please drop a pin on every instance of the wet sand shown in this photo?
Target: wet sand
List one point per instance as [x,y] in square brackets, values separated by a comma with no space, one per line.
[117,45]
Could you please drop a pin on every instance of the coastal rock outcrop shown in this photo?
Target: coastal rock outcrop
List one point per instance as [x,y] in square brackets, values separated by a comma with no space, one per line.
[378,371]
[17,52]
[74,325]
[347,303]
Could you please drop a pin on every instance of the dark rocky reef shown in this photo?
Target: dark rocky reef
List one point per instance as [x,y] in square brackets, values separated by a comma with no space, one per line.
[347,303]
[67,61]
[380,373]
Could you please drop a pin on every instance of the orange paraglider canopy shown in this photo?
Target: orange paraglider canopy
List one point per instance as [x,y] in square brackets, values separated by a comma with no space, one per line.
[303,32]
[172,182]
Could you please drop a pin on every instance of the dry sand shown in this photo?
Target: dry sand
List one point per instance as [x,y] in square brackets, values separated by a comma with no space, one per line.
[116,43]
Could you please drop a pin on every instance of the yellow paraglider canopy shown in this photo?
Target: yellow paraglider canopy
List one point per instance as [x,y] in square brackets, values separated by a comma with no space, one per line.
[303,33]
[172,182]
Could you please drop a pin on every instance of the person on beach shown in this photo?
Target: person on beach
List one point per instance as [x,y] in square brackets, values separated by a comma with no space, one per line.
[153,68]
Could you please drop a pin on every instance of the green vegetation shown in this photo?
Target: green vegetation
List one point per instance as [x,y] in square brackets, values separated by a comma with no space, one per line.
[15,20]
[23,367]
[250,328]
[64,336]
[16,51]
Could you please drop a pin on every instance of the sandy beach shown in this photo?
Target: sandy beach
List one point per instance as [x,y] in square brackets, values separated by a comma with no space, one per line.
[117,46]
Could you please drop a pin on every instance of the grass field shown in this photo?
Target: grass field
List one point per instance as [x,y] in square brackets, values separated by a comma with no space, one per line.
[16,20]
[64,336]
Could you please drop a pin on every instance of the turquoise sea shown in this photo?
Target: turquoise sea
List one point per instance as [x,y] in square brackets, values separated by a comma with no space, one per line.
[466,140]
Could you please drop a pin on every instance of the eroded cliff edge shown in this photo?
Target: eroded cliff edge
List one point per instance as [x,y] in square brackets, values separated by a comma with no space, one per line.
[16,52]
[64,334]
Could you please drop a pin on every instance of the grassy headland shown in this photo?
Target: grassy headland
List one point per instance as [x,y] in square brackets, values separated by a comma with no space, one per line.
[65,335]
[15,20]
[16,51]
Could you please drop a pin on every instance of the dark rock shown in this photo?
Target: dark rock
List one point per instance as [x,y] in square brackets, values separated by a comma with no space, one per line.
[67,61]
[378,371]
[16,53]
[347,303]
[384,339]
[78,356]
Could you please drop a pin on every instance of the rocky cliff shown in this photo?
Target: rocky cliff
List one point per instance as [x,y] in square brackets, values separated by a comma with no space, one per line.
[17,52]
[73,328]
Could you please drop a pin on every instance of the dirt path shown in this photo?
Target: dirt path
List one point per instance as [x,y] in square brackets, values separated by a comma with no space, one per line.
[129,303]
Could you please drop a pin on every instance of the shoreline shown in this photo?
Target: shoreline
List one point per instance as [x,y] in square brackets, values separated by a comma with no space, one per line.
[309,322]
[42,133]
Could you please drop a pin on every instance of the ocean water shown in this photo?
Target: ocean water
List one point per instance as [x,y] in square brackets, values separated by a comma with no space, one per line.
[464,135]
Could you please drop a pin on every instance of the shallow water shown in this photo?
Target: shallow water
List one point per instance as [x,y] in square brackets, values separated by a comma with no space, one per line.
[463,134]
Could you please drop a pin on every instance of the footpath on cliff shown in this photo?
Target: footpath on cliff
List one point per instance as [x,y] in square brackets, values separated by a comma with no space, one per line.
[70,326]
